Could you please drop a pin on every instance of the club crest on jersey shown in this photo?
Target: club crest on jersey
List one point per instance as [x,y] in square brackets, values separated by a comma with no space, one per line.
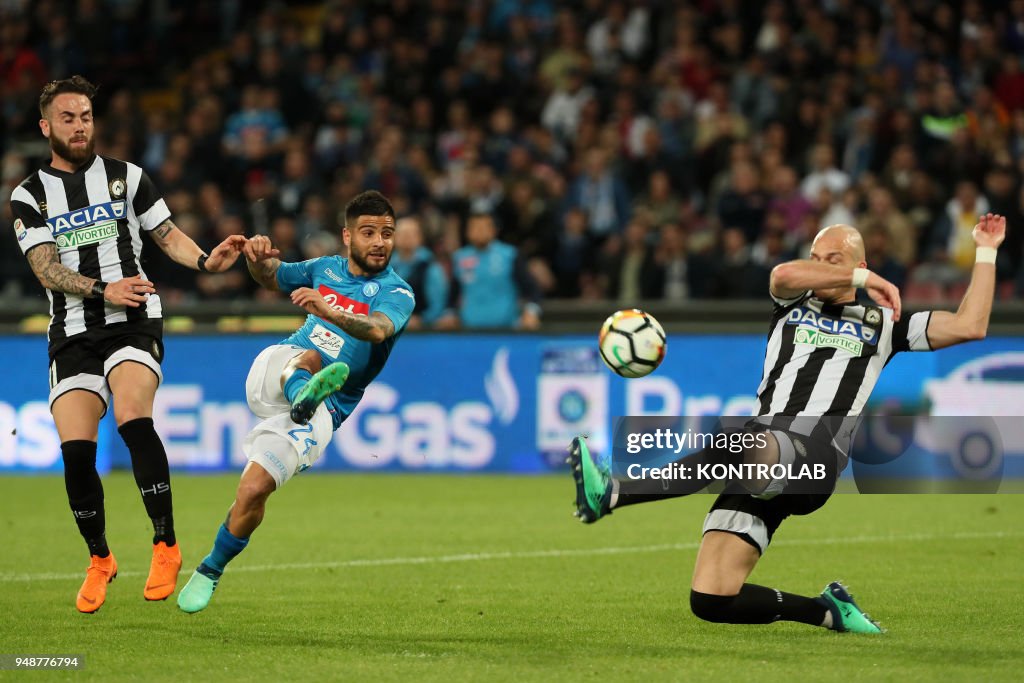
[371,289]
[805,317]
[82,218]
[340,302]
[117,188]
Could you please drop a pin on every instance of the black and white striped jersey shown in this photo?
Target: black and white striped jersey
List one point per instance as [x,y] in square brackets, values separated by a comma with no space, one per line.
[824,359]
[95,217]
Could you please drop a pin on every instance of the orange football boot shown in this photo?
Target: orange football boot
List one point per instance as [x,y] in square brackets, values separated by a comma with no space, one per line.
[93,592]
[163,571]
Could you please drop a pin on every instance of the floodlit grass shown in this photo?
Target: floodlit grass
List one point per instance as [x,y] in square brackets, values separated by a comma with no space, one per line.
[378,577]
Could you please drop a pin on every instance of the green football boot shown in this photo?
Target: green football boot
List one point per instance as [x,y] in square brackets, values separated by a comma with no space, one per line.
[593,483]
[197,592]
[847,617]
[316,390]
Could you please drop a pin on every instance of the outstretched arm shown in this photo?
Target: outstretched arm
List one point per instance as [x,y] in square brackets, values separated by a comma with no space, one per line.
[971,320]
[182,249]
[260,259]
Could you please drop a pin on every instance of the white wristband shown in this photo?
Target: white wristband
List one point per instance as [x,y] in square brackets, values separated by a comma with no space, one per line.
[985,255]
[860,277]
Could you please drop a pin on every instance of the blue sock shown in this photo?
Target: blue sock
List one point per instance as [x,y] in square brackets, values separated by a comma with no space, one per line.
[225,547]
[296,382]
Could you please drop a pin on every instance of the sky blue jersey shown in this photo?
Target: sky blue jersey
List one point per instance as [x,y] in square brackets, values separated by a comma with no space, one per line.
[385,292]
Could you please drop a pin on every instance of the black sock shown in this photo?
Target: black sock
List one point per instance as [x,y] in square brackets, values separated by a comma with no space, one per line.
[152,475]
[633,491]
[758,605]
[85,493]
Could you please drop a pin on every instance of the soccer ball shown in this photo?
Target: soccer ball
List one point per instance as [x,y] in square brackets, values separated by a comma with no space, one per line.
[632,343]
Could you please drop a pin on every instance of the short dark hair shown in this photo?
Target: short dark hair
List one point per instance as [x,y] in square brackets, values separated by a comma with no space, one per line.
[369,203]
[76,84]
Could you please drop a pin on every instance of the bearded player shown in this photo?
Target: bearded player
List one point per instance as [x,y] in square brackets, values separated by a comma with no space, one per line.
[79,220]
[305,387]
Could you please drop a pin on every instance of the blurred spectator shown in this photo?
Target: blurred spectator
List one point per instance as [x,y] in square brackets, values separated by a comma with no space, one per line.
[878,256]
[739,276]
[823,174]
[601,193]
[416,265]
[633,274]
[490,284]
[742,205]
[884,215]
[561,114]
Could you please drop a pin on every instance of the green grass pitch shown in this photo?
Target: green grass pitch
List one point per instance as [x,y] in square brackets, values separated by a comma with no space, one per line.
[378,577]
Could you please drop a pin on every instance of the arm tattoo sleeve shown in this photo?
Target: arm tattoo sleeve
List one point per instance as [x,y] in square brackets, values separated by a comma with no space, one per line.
[265,272]
[375,328]
[54,276]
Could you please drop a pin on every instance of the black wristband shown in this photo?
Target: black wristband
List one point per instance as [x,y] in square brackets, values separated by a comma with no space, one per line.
[98,288]
[201,263]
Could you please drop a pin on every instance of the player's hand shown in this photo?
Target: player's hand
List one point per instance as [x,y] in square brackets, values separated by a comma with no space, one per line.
[129,291]
[990,231]
[312,302]
[529,321]
[259,248]
[884,293]
[225,254]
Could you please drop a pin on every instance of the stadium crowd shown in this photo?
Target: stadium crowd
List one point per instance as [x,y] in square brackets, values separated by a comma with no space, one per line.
[627,150]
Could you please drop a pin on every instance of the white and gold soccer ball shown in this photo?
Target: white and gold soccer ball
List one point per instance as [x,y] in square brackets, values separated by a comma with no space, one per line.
[632,343]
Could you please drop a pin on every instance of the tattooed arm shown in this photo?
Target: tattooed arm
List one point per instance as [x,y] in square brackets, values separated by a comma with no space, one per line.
[183,250]
[54,275]
[374,328]
[259,254]
[129,291]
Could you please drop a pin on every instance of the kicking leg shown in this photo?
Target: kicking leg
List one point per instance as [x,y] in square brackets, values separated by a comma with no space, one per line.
[278,449]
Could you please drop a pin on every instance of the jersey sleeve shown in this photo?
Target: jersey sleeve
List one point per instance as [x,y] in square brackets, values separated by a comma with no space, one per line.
[291,276]
[397,303]
[911,333]
[147,204]
[29,225]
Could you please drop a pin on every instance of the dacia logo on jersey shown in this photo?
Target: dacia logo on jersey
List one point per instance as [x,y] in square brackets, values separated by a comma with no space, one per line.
[90,235]
[81,218]
[806,317]
[814,337]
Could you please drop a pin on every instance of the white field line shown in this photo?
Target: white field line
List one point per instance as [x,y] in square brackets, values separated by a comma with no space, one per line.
[11,577]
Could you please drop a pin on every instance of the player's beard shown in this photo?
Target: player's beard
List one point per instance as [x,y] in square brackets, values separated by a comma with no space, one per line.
[360,260]
[76,156]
